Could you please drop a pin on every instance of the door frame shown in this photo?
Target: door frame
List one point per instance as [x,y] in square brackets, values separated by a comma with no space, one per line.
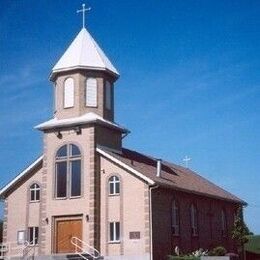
[55,221]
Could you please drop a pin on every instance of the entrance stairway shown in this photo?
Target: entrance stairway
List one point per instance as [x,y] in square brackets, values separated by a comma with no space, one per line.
[82,251]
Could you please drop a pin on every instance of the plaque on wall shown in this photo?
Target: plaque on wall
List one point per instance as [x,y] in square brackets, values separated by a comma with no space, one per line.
[134,235]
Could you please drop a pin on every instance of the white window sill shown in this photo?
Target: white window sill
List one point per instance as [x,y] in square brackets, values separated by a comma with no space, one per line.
[114,195]
[34,201]
[91,106]
[114,242]
[69,198]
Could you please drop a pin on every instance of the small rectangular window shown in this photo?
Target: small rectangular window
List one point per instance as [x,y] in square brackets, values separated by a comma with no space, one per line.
[33,235]
[114,231]
[20,237]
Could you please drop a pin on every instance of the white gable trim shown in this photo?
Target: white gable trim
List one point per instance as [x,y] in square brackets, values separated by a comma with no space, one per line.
[125,166]
[18,177]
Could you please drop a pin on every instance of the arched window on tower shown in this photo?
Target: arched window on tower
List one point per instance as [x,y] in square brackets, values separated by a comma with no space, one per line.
[108,95]
[223,223]
[194,220]
[68,93]
[91,92]
[114,185]
[55,98]
[68,172]
[175,218]
[34,192]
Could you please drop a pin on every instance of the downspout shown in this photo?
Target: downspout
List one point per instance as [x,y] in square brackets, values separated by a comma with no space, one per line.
[151,219]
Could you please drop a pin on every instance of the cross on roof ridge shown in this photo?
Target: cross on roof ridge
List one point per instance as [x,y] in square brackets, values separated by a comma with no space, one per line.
[186,160]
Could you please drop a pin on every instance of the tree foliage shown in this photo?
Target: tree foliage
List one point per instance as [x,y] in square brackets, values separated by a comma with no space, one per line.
[240,230]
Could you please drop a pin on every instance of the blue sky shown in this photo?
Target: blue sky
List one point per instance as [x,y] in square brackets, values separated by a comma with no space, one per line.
[190,81]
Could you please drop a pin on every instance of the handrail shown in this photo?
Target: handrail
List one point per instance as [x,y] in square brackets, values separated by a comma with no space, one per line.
[3,250]
[12,249]
[30,247]
[84,248]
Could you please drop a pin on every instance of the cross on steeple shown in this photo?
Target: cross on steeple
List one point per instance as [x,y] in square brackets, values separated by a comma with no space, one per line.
[83,10]
[186,161]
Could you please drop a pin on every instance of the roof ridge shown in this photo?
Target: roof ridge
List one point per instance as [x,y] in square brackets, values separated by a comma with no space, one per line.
[94,44]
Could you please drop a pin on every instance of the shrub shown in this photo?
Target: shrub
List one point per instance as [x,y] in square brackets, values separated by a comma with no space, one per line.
[200,252]
[218,251]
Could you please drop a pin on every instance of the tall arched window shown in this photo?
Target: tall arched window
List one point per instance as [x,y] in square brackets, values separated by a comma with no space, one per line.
[223,223]
[68,171]
[114,185]
[194,220]
[108,95]
[91,92]
[35,192]
[69,93]
[175,218]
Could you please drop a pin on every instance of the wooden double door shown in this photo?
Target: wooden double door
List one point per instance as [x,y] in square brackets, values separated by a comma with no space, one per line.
[65,230]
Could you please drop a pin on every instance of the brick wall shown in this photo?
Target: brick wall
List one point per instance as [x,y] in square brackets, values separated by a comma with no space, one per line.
[209,223]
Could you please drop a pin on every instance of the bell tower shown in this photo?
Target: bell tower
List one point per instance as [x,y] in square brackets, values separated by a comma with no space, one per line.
[84,79]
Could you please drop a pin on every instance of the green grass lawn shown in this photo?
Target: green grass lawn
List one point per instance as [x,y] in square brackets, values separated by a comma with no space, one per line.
[253,245]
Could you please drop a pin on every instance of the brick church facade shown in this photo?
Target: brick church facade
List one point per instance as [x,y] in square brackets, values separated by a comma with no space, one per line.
[88,195]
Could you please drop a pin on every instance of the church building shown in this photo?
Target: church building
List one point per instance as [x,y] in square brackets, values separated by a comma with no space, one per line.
[89,197]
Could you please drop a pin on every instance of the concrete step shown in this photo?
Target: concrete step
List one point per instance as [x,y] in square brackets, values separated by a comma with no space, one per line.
[75,257]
